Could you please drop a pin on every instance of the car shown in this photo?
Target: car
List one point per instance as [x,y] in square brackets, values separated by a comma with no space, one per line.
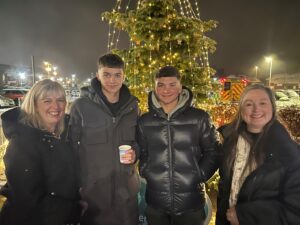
[6,102]
[16,94]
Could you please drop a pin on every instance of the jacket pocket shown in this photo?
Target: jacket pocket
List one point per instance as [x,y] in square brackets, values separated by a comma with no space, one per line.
[95,133]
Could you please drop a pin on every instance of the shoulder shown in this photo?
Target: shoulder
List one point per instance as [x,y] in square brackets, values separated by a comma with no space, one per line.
[196,115]
[146,116]
[80,104]
[280,143]
[196,112]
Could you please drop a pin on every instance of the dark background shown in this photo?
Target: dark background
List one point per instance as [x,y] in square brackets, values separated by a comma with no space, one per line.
[71,34]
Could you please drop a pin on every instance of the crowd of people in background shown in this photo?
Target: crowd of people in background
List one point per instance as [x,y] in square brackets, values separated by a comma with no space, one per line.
[82,168]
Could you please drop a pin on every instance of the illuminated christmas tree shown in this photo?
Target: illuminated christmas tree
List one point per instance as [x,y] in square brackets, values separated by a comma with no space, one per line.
[163,32]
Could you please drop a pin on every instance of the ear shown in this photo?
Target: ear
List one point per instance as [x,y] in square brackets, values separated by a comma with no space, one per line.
[97,76]
[180,88]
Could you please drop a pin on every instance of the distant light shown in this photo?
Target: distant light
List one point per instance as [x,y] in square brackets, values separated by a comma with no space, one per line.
[269,59]
[22,75]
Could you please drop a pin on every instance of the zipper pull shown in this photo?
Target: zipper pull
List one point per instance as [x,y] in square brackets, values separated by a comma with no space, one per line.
[114,119]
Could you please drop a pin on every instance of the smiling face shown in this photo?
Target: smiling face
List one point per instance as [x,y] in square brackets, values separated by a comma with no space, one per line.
[51,109]
[167,90]
[257,110]
[111,80]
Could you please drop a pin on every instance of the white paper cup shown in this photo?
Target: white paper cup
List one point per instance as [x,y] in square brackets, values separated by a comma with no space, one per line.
[122,150]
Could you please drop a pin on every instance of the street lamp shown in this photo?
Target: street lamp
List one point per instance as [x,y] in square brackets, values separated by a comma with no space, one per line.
[270,60]
[55,71]
[256,69]
[22,76]
[48,68]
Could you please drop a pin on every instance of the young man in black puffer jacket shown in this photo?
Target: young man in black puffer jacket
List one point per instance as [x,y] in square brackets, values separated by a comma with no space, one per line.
[177,153]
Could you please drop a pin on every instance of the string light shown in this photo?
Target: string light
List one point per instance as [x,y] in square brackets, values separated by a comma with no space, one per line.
[145,54]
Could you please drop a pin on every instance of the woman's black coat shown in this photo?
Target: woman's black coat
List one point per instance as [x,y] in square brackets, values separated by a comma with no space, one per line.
[42,182]
[271,193]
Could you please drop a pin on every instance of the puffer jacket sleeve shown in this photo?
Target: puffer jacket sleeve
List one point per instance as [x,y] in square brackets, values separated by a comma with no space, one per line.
[208,163]
[281,211]
[25,178]
[143,152]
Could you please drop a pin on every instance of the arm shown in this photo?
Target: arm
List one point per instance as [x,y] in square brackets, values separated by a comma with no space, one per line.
[75,126]
[277,211]
[141,140]
[207,141]
[25,180]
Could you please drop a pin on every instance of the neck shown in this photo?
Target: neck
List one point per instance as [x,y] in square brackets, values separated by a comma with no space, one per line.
[112,98]
[169,107]
[51,130]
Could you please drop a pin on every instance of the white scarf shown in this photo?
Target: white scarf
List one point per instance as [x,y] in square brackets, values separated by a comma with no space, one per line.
[241,169]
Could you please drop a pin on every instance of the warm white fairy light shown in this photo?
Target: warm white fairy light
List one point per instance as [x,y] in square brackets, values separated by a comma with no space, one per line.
[182,11]
[197,9]
[188,13]
[181,8]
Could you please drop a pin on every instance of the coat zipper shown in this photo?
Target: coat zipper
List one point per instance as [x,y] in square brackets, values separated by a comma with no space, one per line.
[171,168]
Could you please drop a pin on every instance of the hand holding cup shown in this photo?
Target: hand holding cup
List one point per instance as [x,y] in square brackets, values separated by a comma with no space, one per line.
[127,154]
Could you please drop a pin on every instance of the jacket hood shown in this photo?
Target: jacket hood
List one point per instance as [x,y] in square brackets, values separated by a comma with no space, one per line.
[184,101]
[11,124]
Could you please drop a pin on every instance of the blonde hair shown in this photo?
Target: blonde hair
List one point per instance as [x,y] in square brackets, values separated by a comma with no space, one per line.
[40,90]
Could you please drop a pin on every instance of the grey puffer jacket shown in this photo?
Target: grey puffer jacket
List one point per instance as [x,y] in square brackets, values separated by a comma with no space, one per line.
[96,133]
[177,155]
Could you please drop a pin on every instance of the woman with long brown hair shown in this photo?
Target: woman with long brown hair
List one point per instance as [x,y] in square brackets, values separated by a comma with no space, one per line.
[260,166]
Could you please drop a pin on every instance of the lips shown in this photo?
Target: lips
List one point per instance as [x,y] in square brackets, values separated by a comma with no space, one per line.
[256,116]
[55,114]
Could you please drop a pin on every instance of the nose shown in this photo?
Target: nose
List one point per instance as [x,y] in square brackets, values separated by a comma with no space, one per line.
[55,104]
[166,89]
[255,107]
[112,79]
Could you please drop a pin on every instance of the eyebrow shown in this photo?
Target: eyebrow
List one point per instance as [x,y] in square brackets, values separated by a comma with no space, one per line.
[165,83]
[262,99]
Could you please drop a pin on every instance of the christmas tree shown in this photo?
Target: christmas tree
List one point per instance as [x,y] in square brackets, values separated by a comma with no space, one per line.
[163,32]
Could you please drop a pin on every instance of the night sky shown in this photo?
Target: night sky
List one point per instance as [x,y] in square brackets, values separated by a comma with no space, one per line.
[71,34]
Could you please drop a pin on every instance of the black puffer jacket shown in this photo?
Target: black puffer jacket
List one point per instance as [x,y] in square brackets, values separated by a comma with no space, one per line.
[271,193]
[42,180]
[177,154]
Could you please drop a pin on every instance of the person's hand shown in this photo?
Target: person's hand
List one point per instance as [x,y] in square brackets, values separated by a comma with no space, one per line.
[84,206]
[232,216]
[128,157]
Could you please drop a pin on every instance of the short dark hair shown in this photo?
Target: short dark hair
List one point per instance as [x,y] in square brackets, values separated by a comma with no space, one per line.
[168,71]
[111,61]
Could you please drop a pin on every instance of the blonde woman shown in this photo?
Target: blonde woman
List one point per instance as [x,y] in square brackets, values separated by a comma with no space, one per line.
[42,182]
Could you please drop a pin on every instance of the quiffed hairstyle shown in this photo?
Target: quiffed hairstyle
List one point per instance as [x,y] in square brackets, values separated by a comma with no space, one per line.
[168,71]
[40,90]
[238,127]
[111,61]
